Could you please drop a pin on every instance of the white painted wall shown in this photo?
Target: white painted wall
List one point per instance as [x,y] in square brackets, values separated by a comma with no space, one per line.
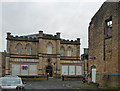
[93,75]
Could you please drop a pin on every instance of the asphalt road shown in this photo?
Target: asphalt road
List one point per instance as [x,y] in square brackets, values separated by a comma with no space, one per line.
[55,85]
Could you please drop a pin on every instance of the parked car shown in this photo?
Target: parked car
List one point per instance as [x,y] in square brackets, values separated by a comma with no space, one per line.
[85,79]
[10,76]
[11,82]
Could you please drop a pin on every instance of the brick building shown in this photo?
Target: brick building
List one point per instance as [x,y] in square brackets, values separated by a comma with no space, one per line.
[104,44]
[39,54]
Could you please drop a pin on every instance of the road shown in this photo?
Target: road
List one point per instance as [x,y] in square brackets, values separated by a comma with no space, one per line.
[55,84]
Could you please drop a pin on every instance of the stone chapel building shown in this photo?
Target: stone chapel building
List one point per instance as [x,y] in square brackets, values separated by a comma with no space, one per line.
[39,54]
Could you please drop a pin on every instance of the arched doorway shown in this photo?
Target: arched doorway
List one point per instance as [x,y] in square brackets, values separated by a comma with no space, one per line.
[49,70]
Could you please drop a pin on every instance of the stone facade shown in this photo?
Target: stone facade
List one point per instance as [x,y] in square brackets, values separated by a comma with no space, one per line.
[2,64]
[104,44]
[39,55]
[84,58]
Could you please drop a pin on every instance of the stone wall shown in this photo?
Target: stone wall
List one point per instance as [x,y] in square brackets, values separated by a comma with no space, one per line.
[2,64]
[38,43]
[13,44]
[119,36]
[105,50]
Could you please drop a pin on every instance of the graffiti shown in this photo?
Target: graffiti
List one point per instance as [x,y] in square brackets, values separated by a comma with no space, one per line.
[24,67]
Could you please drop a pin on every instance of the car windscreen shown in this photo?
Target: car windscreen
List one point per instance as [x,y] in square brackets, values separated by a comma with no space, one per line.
[10,81]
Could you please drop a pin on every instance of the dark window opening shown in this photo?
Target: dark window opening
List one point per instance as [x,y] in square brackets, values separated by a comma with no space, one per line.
[109,23]
[104,51]
[108,28]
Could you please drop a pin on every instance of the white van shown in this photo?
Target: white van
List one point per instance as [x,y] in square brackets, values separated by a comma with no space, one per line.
[11,83]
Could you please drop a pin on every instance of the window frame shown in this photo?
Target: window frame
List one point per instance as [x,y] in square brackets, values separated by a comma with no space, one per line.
[28,49]
[62,51]
[69,51]
[19,48]
[49,48]
[108,28]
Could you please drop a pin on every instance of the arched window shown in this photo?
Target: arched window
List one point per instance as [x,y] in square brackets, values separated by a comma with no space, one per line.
[62,51]
[28,49]
[49,48]
[69,52]
[19,48]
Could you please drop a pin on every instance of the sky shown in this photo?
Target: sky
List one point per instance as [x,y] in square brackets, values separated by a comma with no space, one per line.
[70,17]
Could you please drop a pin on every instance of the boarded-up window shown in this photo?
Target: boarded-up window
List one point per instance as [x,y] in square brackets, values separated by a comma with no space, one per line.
[78,70]
[32,69]
[71,70]
[64,69]
[15,69]
[18,69]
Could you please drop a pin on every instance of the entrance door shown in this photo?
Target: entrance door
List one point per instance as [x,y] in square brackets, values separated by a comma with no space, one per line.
[49,70]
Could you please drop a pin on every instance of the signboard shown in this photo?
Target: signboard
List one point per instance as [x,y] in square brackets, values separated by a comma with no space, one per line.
[71,70]
[64,69]
[15,69]
[93,74]
[24,69]
[78,70]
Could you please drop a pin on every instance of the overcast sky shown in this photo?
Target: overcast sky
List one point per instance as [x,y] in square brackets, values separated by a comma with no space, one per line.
[70,17]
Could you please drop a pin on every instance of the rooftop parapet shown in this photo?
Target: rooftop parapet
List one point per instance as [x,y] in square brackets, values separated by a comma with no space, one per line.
[34,37]
[49,36]
[8,34]
[21,38]
[40,33]
[58,34]
[75,42]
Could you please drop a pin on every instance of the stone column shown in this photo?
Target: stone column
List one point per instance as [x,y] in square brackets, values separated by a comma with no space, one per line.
[78,48]
[7,59]
[7,66]
[40,65]
[58,65]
